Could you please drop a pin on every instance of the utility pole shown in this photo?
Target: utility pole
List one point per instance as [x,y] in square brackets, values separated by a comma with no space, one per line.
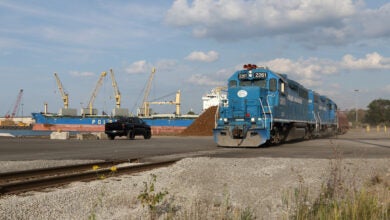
[356,105]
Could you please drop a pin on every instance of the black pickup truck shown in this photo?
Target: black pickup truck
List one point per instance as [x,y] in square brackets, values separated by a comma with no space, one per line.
[128,126]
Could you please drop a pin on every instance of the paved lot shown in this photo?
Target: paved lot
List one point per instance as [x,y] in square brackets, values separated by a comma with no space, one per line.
[254,178]
[355,144]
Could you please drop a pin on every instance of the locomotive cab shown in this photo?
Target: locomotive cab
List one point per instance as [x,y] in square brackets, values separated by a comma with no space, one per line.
[264,106]
[246,119]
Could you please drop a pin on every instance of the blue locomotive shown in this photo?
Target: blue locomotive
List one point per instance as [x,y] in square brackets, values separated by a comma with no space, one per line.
[263,106]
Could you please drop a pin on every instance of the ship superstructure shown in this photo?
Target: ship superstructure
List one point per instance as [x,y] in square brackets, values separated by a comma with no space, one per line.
[214,97]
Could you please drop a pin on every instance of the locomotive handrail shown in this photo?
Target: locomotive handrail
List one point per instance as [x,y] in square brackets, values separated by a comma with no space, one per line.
[269,107]
[319,118]
[317,128]
[262,107]
[216,116]
[315,117]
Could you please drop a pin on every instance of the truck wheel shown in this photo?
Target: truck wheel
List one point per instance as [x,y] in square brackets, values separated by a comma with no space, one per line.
[111,137]
[131,135]
[147,135]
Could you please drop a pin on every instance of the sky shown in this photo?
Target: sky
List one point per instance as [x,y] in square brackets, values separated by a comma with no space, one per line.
[339,48]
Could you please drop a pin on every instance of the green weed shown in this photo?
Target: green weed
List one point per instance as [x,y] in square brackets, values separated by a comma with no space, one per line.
[149,197]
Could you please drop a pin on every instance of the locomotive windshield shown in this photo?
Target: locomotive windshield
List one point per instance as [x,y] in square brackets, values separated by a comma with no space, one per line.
[262,83]
[232,83]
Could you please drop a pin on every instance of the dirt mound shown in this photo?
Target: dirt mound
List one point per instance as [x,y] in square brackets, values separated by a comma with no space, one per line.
[203,125]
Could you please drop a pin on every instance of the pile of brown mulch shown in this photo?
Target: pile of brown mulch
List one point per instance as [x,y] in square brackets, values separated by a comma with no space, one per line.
[203,125]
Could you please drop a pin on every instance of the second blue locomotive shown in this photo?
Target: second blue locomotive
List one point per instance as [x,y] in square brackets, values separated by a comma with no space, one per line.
[267,107]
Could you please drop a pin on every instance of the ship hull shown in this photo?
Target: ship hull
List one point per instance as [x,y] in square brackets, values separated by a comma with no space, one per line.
[159,126]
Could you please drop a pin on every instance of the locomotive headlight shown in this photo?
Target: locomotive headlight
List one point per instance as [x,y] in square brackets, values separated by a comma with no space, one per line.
[253,120]
[225,120]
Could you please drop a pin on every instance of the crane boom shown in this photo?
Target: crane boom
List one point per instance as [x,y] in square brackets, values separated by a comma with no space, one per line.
[16,105]
[95,91]
[145,104]
[116,90]
[64,96]
[176,102]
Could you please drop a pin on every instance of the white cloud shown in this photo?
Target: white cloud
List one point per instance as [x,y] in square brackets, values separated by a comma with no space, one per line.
[312,23]
[142,66]
[308,71]
[210,56]
[239,19]
[374,22]
[371,61]
[386,89]
[166,64]
[138,67]
[199,79]
[81,74]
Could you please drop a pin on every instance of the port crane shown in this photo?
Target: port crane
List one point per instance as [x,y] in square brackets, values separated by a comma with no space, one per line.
[145,110]
[64,95]
[16,106]
[176,102]
[117,111]
[116,90]
[145,106]
[94,93]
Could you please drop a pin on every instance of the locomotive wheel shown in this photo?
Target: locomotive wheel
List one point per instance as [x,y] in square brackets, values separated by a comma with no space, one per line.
[275,136]
[307,133]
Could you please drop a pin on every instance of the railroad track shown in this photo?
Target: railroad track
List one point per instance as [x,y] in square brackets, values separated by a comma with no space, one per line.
[38,179]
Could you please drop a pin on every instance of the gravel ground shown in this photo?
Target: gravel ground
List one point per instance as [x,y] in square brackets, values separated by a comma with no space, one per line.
[198,188]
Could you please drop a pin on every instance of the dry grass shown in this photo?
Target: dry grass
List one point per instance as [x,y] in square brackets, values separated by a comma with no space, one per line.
[341,198]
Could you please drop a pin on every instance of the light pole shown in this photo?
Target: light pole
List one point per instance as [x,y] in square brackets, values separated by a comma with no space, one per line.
[356,105]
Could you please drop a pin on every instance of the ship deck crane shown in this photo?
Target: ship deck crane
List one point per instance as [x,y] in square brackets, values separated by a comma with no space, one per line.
[95,91]
[116,90]
[145,111]
[176,102]
[64,95]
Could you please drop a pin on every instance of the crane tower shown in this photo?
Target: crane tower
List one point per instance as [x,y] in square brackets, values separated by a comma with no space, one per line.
[90,110]
[16,105]
[118,111]
[65,99]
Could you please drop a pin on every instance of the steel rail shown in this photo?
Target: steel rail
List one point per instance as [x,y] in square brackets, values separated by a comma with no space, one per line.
[34,173]
[47,182]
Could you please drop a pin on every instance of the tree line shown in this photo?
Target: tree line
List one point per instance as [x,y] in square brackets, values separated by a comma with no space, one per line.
[377,113]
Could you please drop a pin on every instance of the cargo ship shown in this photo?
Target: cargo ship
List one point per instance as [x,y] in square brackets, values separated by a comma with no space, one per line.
[161,124]
[67,118]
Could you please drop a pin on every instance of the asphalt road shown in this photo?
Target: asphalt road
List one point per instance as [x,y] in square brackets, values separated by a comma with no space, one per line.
[355,144]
